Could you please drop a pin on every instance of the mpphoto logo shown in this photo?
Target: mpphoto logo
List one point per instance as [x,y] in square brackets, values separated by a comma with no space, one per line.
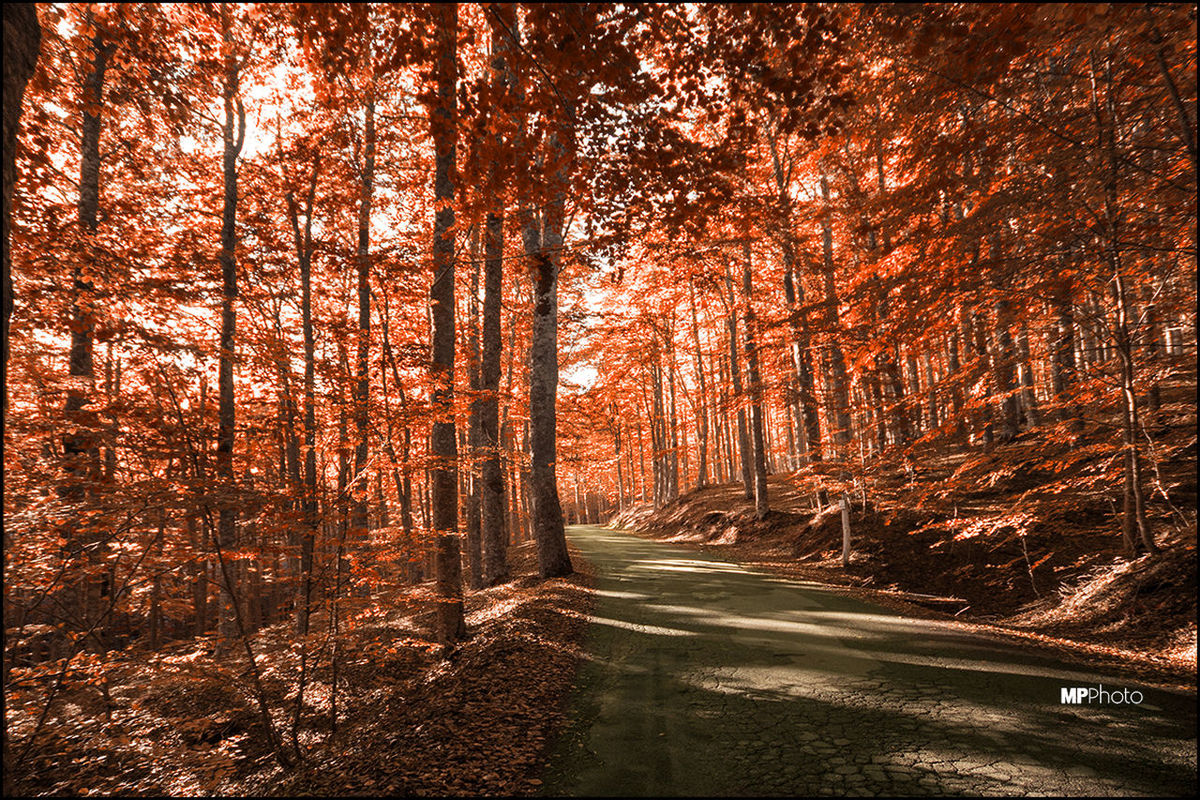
[1079,695]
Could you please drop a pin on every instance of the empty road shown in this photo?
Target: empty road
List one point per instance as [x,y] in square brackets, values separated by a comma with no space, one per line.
[707,678]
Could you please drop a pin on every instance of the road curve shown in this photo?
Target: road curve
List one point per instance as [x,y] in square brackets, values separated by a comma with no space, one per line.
[707,678]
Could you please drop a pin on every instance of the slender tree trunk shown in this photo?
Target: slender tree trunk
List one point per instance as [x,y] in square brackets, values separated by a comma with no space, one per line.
[1002,366]
[808,429]
[761,501]
[81,452]
[702,397]
[838,412]
[492,533]
[1029,405]
[673,418]
[413,546]
[914,390]
[616,430]
[1134,511]
[658,438]
[234,133]
[931,405]
[526,481]
[198,569]
[474,560]
[358,508]
[1062,356]
[641,458]
[743,434]
[727,420]
[304,251]
[804,408]
[443,447]
[1155,349]
[986,366]
[953,367]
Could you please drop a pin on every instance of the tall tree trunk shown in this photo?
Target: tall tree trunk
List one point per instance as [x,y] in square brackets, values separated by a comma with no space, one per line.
[198,573]
[443,447]
[492,530]
[545,261]
[233,134]
[641,458]
[1029,404]
[980,341]
[804,408]
[474,560]
[761,502]
[721,458]
[1134,510]
[657,446]
[526,481]
[702,398]
[931,404]
[1003,359]
[358,507]
[839,396]
[81,452]
[953,366]
[22,44]
[914,389]
[402,466]
[743,434]
[616,431]
[1062,355]
[304,251]
[808,428]
[672,419]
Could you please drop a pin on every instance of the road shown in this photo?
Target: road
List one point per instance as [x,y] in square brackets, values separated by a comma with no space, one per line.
[707,678]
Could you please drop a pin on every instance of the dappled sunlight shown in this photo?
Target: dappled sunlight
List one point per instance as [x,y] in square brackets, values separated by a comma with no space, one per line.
[789,627]
[685,566]
[619,594]
[653,630]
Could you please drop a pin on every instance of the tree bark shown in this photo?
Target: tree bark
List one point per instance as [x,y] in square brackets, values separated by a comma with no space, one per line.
[492,530]
[761,501]
[233,134]
[1062,355]
[81,452]
[1029,404]
[358,507]
[304,251]
[474,560]
[839,413]
[443,446]
[1002,366]
[804,408]
[22,44]
[702,399]
[743,434]
[545,254]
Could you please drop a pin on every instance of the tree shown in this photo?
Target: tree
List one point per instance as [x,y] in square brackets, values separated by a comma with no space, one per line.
[443,443]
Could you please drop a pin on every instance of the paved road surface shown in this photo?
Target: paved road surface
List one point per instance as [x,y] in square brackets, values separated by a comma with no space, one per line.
[706,678]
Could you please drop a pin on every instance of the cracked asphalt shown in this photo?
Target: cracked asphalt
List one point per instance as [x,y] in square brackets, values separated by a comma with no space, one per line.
[707,678]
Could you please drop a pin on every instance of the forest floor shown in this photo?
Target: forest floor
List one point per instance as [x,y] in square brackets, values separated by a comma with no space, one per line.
[414,716]
[1023,542]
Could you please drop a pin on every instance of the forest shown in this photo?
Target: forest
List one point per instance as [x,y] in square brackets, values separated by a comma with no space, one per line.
[323,323]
